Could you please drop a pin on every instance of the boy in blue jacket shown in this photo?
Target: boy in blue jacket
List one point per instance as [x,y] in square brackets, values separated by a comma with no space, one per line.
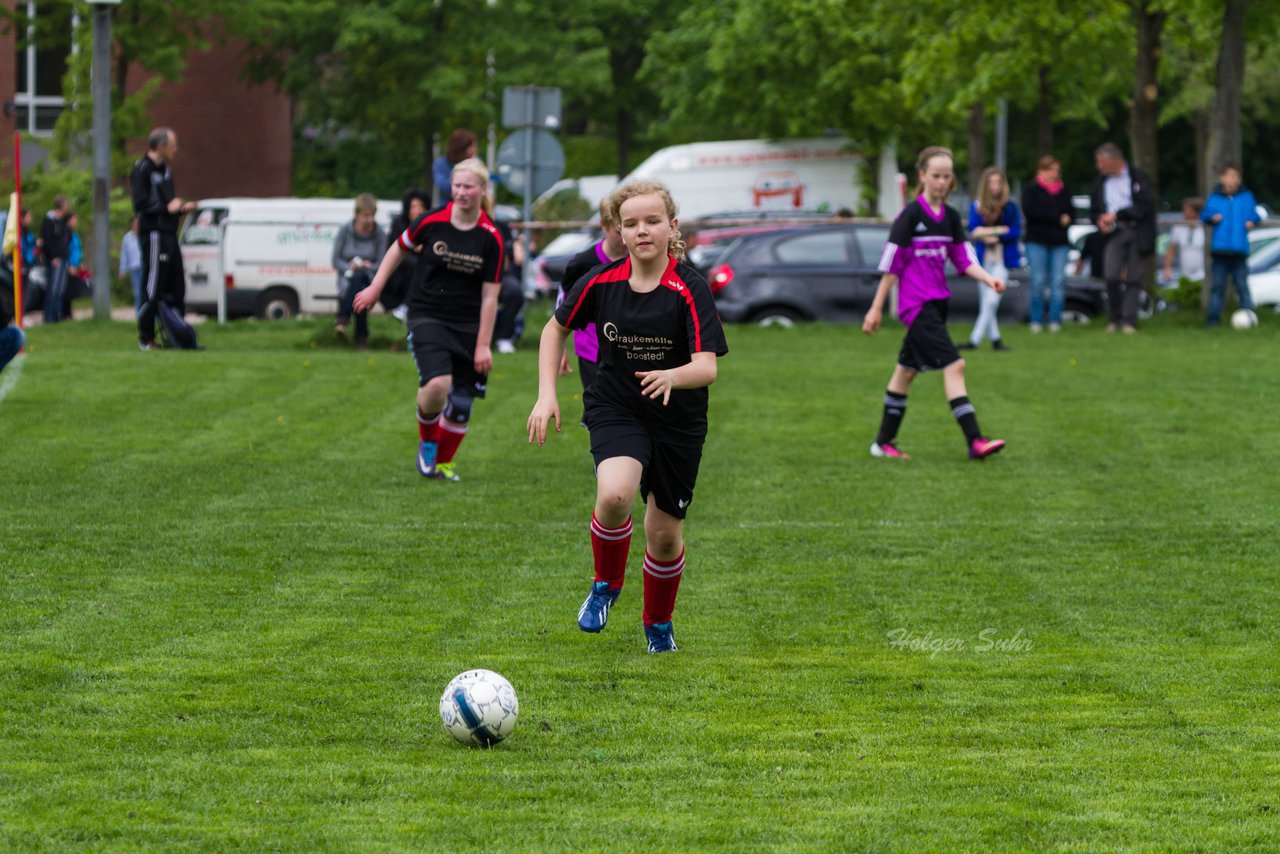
[1233,212]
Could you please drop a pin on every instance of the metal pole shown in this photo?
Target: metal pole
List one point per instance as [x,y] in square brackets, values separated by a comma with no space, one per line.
[101,161]
[527,211]
[1002,136]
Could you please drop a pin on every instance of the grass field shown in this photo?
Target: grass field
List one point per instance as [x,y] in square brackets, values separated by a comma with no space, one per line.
[229,604]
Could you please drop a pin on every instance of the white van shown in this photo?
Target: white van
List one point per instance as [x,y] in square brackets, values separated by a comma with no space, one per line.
[747,176]
[272,255]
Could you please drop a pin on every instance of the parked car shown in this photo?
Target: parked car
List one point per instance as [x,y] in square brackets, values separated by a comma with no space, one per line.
[707,245]
[830,273]
[1264,272]
[543,275]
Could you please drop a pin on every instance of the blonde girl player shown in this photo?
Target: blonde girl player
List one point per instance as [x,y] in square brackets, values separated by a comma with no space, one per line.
[659,337]
[924,236]
[453,301]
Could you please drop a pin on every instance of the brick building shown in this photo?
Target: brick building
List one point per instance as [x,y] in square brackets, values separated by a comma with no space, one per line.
[235,139]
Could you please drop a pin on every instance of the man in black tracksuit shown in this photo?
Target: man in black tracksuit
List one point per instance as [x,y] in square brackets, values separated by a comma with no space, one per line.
[158,208]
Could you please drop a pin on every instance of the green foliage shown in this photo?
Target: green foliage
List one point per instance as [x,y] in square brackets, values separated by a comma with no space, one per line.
[229,604]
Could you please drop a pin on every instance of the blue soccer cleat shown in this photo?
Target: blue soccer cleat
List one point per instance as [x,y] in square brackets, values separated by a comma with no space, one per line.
[661,637]
[427,459]
[594,612]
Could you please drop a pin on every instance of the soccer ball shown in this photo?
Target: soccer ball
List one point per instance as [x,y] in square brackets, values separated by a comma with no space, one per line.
[479,708]
[1244,319]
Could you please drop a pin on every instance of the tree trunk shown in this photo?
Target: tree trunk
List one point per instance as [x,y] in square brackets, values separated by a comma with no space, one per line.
[977,146]
[1044,115]
[1223,145]
[623,119]
[1144,114]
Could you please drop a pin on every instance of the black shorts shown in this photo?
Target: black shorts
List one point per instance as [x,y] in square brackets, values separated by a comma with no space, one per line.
[670,471]
[443,350]
[928,345]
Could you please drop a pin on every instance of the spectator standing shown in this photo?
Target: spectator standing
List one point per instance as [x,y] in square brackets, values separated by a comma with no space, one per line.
[995,224]
[75,263]
[131,262]
[159,208]
[1046,204]
[1123,206]
[1233,212]
[356,252]
[1186,243]
[460,146]
[54,243]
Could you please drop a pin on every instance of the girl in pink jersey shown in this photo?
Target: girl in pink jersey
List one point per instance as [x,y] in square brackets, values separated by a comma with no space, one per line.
[924,237]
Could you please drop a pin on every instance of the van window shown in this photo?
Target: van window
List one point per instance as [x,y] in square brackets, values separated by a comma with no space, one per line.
[202,226]
[823,247]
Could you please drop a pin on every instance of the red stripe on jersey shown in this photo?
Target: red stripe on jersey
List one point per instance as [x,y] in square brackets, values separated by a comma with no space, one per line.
[673,282]
[620,273]
[487,225]
[441,215]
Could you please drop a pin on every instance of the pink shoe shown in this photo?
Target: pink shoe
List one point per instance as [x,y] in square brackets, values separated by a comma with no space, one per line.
[982,448]
[889,450]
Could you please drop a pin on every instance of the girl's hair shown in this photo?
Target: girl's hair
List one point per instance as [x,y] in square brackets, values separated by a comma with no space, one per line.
[991,205]
[675,247]
[608,219]
[1047,161]
[476,167]
[366,203]
[922,163]
[459,141]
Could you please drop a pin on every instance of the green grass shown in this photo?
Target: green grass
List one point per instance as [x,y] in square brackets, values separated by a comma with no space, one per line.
[229,604]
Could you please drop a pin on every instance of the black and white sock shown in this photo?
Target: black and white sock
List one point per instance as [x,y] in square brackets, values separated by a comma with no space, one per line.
[964,414]
[895,408]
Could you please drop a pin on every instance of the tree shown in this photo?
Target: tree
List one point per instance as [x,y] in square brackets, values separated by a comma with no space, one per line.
[1224,141]
[1144,113]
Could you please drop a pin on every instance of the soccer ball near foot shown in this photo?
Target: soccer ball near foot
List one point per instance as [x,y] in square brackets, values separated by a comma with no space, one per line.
[1244,319]
[479,708]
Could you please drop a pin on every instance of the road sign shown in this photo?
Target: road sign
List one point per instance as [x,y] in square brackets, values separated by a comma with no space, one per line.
[531,107]
[527,148]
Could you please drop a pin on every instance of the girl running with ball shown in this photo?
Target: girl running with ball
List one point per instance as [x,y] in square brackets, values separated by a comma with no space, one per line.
[659,337]
[924,236]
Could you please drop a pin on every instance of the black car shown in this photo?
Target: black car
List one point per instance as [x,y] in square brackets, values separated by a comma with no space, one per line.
[830,273]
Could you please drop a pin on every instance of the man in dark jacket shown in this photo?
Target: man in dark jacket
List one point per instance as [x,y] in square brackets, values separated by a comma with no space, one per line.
[55,242]
[1123,206]
[159,209]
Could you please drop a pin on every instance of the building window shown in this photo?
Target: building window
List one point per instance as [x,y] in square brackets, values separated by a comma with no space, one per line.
[41,65]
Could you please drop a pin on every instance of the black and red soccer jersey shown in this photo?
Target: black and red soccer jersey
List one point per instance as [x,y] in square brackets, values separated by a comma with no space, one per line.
[650,331]
[453,268]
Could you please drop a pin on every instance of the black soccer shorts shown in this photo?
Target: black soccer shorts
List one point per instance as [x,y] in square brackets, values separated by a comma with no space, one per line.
[928,345]
[670,470]
[440,349]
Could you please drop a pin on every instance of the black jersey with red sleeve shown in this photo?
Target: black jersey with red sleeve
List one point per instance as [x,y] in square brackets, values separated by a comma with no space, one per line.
[650,331]
[453,268]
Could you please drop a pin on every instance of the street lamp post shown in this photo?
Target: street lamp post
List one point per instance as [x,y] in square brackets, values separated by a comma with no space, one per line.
[101,87]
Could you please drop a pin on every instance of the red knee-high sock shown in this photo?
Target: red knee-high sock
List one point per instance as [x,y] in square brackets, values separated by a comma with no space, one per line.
[661,581]
[451,436]
[428,427]
[609,546]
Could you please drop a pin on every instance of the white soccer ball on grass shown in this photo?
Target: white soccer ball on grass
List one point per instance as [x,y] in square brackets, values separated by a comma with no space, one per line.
[479,708]
[1244,319]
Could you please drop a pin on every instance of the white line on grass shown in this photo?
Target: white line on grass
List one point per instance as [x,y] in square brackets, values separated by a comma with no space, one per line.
[9,377]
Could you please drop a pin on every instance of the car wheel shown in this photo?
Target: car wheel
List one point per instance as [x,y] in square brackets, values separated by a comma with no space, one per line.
[278,304]
[777,316]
